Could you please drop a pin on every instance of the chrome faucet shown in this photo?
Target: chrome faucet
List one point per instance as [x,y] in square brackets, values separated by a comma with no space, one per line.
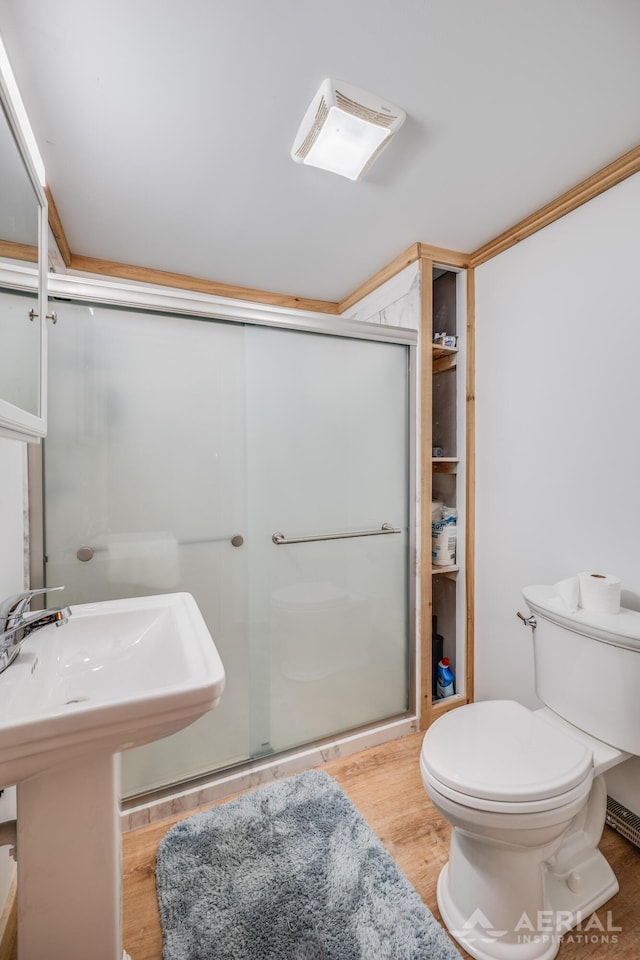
[17,621]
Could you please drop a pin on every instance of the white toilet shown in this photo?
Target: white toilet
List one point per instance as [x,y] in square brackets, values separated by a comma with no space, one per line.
[524,791]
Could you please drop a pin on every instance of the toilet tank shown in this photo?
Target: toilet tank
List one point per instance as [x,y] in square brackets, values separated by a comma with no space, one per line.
[587,667]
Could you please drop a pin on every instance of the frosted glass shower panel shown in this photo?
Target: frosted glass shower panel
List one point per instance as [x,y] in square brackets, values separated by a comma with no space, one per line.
[327,445]
[145,470]
[177,448]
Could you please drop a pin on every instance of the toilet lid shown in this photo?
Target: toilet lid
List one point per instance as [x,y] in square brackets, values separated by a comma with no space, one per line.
[500,750]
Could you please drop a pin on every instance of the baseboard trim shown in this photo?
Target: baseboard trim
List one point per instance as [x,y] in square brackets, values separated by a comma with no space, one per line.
[258,772]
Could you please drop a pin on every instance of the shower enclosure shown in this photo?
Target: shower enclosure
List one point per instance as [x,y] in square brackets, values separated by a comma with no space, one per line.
[265,470]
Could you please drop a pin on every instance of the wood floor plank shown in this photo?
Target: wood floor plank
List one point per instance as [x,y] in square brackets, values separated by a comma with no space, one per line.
[385,785]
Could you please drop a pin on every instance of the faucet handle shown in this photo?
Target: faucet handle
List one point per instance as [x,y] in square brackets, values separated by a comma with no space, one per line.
[13,607]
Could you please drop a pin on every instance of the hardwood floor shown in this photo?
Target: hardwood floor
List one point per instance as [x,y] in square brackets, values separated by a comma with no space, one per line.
[384,783]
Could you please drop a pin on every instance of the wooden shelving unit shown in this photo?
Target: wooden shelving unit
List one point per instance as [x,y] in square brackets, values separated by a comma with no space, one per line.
[446,589]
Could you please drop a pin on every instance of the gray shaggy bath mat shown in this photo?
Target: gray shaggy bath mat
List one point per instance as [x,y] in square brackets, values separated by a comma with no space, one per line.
[289,872]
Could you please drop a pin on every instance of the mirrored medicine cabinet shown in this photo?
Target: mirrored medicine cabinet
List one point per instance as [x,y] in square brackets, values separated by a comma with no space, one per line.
[23,277]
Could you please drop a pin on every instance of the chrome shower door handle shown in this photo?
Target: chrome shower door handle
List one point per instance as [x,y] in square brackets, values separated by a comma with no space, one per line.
[86,553]
[279,538]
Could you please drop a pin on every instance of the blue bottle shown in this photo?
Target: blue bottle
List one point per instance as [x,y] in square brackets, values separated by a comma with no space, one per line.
[445,680]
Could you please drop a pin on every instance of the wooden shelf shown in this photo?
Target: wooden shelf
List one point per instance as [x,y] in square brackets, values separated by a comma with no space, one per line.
[444,358]
[449,703]
[444,464]
[449,568]
[440,351]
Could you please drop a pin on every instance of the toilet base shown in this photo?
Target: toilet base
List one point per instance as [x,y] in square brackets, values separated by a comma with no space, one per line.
[571,900]
[476,934]
[576,895]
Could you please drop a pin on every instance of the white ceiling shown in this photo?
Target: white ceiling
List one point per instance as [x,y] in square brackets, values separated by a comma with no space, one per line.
[166,125]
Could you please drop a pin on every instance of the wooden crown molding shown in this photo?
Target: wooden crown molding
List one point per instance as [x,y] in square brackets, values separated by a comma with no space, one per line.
[441,257]
[18,251]
[55,225]
[609,176]
[126,271]
[417,251]
[396,266]
[601,181]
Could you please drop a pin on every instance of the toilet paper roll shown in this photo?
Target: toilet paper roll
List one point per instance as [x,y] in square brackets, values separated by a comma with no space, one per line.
[569,592]
[599,592]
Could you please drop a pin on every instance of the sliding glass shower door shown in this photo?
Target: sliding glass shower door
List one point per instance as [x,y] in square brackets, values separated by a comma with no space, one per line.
[327,450]
[145,487]
[237,462]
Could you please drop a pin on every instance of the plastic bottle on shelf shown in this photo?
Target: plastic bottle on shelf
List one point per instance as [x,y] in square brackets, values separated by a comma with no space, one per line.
[437,653]
[443,538]
[445,680]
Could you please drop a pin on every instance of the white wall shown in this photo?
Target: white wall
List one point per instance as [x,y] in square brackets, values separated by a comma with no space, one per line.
[12,526]
[558,433]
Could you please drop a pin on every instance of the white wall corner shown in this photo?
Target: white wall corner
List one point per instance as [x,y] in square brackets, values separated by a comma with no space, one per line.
[395,303]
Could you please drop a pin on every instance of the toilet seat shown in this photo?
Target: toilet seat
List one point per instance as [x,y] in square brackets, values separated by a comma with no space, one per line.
[500,757]
[549,809]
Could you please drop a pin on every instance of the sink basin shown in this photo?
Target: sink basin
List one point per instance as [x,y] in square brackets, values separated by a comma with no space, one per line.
[117,674]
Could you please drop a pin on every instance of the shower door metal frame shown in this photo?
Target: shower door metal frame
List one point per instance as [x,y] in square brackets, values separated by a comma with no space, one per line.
[208,307]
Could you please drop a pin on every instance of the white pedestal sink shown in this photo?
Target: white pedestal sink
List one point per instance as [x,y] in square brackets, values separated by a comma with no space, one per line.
[118,674]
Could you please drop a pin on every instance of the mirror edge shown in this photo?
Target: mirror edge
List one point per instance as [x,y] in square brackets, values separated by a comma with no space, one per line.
[15,422]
